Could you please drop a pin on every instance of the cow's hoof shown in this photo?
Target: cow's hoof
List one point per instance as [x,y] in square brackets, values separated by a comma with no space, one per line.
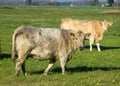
[25,74]
[16,75]
[45,73]
[90,50]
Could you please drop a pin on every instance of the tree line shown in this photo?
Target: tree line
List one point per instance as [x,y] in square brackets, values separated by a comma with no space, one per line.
[58,3]
[91,2]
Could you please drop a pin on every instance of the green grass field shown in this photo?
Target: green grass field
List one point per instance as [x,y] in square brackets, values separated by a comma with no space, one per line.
[84,69]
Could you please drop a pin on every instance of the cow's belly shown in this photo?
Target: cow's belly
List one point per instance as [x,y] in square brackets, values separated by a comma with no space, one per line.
[41,54]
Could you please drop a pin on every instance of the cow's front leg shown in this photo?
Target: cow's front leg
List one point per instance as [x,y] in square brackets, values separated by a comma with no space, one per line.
[98,46]
[62,63]
[51,63]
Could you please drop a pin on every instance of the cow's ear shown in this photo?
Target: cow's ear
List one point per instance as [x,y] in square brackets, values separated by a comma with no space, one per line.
[110,23]
[72,35]
[104,22]
[101,23]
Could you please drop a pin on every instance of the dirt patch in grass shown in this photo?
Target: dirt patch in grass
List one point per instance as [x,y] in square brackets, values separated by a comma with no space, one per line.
[112,11]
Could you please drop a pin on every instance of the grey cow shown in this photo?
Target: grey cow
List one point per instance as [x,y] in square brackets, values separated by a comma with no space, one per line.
[44,44]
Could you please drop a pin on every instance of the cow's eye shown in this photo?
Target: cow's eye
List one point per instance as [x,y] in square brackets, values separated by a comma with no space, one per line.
[76,39]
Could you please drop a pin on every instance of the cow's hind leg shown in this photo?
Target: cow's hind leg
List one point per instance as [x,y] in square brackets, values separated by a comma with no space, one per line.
[51,63]
[23,52]
[21,63]
[91,40]
[24,69]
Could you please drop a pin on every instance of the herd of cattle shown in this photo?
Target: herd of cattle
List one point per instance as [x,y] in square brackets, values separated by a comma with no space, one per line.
[55,43]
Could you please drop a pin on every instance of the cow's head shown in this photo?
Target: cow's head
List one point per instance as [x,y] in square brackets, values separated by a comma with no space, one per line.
[78,39]
[105,24]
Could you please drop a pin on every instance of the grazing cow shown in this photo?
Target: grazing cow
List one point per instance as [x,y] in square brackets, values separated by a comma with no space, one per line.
[44,44]
[93,30]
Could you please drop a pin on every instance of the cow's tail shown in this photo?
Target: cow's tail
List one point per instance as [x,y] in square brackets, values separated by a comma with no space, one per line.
[14,44]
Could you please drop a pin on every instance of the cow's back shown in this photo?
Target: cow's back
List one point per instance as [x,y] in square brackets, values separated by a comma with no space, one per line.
[74,24]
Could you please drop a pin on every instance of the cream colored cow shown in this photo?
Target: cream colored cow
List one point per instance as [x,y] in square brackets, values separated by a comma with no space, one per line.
[94,30]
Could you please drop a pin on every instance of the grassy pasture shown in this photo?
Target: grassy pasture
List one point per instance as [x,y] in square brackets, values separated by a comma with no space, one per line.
[84,69]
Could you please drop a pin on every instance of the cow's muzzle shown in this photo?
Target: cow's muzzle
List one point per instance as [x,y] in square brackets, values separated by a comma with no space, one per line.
[81,48]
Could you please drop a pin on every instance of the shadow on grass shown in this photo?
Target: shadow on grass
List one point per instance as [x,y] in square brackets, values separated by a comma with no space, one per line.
[103,47]
[6,7]
[86,69]
[36,72]
[107,48]
[6,56]
[77,69]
